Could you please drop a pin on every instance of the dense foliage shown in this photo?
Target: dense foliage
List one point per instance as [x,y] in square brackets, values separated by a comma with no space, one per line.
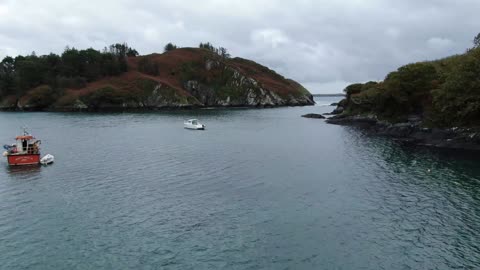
[106,96]
[223,52]
[476,41]
[169,47]
[72,69]
[444,93]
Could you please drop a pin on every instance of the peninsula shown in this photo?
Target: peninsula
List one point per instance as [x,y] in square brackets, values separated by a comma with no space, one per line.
[117,78]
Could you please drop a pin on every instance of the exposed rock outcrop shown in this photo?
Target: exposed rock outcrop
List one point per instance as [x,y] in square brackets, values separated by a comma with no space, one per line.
[414,132]
[313,115]
[338,110]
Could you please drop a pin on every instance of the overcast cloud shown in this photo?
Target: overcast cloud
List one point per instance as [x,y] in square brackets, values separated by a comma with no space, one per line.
[321,44]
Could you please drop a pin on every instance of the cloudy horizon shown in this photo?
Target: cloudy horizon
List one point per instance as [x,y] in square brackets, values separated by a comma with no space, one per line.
[323,45]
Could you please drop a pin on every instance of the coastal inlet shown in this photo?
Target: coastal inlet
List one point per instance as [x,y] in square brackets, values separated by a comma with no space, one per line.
[258,189]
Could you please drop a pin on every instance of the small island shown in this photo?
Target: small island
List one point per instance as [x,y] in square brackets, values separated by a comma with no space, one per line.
[117,78]
[435,103]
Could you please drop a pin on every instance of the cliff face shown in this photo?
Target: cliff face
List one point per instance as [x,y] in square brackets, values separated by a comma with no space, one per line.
[181,78]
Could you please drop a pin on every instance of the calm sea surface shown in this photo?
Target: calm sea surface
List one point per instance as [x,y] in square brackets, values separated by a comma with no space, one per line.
[259,189]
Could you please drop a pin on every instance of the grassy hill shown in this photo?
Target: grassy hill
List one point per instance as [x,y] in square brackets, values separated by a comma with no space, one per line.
[186,77]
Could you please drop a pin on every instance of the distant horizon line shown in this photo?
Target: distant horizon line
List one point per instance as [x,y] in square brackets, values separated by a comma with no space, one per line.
[329,95]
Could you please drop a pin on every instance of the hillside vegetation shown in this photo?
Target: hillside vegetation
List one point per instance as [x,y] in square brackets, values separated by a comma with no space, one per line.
[444,93]
[118,78]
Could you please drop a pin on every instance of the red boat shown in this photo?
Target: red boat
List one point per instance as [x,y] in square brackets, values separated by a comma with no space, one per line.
[26,151]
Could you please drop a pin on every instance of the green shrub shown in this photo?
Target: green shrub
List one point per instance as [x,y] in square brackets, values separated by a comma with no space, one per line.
[106,96]
[353,89]
[40,97]
[457,101]
[190,71]
[170,47]
[403,92]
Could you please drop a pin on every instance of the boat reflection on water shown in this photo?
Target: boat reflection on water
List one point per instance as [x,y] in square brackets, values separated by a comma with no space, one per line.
[23,170]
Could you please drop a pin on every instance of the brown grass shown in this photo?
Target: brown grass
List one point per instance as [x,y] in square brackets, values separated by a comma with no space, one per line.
[170,64]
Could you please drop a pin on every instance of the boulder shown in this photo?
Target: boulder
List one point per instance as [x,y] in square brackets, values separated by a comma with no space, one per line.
[338,110]
[313,115]
[352,120]
[399,130]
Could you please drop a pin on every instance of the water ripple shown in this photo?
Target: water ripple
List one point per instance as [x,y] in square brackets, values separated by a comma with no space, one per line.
[136,191]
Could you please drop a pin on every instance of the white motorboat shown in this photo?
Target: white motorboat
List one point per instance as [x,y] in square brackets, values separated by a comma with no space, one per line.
[47,159]
[193,124]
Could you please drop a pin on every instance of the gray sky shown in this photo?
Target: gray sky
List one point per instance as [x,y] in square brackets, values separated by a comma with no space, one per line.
[324,45]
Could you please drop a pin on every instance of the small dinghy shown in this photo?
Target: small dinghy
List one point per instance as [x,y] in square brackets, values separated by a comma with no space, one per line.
[47,159]
[193,124]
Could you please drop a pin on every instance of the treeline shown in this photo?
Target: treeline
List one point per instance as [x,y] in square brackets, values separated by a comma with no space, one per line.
[72,69]
[444,93]
[221,51]
[150,67]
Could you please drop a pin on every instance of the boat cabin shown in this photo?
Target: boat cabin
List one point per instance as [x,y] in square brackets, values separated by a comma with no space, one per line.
[193,121]
[26,144]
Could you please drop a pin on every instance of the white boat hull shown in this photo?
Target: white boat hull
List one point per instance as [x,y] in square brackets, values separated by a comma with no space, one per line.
[47,159]
[195,127]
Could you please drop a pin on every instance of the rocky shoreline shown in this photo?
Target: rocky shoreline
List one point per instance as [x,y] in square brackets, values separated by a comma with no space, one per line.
[138,108]
[313,116]
[413,132]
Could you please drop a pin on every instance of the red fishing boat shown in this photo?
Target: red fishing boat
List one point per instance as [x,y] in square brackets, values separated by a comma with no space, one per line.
[26,151]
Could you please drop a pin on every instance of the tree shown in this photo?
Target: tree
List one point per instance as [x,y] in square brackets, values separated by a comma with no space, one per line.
[410,86]
[476,41]
[91,67]
[413,78]
[132,52]
[207,46]
[220,50]
[72,69]
[7,76]
[29,73]
[223,53]
[71,62]
[170,47]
